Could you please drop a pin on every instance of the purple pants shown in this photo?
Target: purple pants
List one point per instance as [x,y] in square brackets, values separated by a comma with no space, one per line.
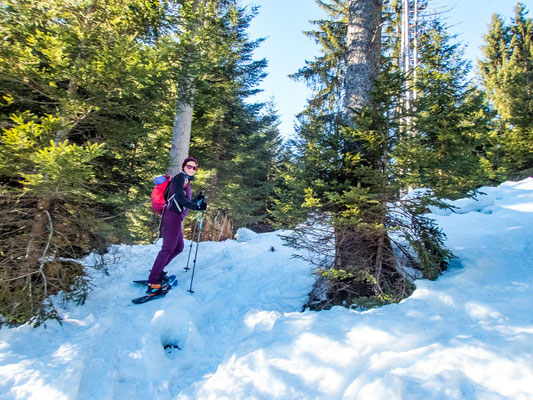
[172,243]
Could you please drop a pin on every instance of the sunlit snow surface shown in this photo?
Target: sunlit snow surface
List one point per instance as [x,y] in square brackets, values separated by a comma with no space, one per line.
[467,335]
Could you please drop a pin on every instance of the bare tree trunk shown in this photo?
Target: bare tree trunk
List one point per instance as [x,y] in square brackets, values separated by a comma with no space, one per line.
[181,133]
[415,52]
[357,246]
[38,231]
[363,54]
[406,52]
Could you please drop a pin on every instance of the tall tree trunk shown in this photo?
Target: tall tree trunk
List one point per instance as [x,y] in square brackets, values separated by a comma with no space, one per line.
[406,51]
[357,247]
[38,233]
[363,53]
[405,64]
[181,133]
[415,53]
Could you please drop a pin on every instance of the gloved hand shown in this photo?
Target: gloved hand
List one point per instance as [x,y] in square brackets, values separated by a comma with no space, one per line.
[202,206]
[199,196]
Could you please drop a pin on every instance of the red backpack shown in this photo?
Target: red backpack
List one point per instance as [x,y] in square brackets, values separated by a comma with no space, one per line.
[158,194]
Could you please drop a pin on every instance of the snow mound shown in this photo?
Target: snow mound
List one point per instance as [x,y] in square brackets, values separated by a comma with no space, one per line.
[245,235]
[485,200]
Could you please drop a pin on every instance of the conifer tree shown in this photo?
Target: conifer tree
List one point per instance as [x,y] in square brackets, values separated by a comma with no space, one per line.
[79,81]
[356,229]
[507,75]
[446,146]
[88,103]
[235,141]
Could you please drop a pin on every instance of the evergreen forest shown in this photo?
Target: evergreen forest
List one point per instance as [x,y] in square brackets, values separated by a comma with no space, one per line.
[97,95]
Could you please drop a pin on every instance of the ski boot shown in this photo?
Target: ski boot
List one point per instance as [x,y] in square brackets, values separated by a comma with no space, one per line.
[163,278]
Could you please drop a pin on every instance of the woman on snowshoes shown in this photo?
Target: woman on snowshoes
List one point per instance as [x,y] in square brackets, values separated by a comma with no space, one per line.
[178,204]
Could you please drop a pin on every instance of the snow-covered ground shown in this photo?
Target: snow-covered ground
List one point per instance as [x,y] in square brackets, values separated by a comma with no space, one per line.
[467,335]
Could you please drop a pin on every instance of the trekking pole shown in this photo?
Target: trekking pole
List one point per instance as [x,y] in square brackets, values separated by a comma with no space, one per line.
[196,252]
[192,240]
[193,234]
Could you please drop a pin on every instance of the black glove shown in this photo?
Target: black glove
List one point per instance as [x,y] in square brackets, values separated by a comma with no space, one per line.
[199,196]
[202,206]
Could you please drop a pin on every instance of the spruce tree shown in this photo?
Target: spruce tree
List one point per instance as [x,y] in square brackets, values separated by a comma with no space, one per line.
[343,183]
[234,140]
[79,82]
[88,102]
[444,148]
[507,75]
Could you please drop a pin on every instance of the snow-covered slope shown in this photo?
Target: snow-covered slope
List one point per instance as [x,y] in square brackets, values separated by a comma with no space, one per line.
[467,335]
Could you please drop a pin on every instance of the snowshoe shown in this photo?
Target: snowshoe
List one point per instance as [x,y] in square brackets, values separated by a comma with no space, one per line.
[153,292]
[170,279]
[157,288]
[156,291]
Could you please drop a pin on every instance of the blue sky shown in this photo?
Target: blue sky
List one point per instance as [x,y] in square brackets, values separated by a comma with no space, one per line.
[286,48]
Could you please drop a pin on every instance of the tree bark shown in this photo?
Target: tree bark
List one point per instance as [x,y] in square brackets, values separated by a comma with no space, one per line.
[406,51]
[415,53]
[363,53]
[358,247]
[181,133]
[38,232]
